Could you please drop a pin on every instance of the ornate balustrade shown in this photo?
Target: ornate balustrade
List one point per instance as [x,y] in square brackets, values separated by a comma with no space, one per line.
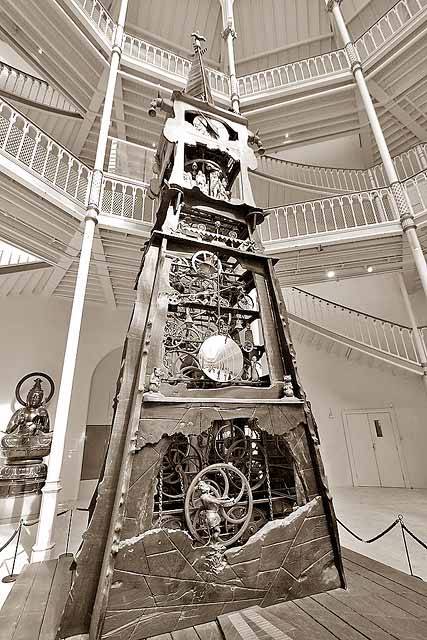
[388,26]
[313,68]
[99,17]
[312,176]
[301,71]
[350,211]
[23,86]
[387,337]
[21,140]
[127,199]
[170,62]
[407,165]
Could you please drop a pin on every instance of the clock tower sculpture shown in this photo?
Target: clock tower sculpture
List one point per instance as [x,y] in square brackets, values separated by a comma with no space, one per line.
[213,496]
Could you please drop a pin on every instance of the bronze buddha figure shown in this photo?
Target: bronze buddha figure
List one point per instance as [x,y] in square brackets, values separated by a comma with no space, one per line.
[27,441]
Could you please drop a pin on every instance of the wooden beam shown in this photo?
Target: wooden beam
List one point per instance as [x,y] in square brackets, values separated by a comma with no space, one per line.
[64,262]
[389,103]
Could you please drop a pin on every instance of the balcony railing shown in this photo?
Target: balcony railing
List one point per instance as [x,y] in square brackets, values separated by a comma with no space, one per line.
[127,199]
[10,255]
[27,144]
[99,17]
[23,86]
[386,337]
[313,68]
[301,71]
[388,26]
[170,62]
[350,211]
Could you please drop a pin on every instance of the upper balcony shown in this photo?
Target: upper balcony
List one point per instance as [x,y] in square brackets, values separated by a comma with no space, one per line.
[292,104]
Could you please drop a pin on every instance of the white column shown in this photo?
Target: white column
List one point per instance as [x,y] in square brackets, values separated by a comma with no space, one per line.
[418,339]
[399,193]
[45,542]
[229,34]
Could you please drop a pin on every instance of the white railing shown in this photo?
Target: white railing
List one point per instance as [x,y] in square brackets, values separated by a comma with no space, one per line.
[301,71]
[388,26]
[311,176]
[23,86]
[127,199]
[170,62]
[407,165]
[326,64]
[21,140]
[10,255]
[387,337]
[416,188]
[99,17]
[350,211]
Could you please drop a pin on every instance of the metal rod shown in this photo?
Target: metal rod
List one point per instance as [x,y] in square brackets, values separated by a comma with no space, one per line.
[12,577]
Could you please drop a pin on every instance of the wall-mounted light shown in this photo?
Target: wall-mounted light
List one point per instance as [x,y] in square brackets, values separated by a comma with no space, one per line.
[330,274]
[369,269]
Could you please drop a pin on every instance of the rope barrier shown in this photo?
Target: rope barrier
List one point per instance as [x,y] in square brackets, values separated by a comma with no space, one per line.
[10,539]
[403,528]
[377,537]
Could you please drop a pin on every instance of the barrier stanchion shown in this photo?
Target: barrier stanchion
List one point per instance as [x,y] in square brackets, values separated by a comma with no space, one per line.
[12,576]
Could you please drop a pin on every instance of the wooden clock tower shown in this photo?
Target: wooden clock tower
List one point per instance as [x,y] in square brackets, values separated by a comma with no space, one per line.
[213,496]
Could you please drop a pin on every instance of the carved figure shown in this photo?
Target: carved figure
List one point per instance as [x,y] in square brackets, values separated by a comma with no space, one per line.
[254,369]
[201,182]
[215,184]
[155,380]
[288,389]
[211,505]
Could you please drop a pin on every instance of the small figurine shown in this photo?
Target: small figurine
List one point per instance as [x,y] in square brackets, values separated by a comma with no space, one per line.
[211,505]
[155,380]
[254,369]
[288,389]
[201,182]
[214,184]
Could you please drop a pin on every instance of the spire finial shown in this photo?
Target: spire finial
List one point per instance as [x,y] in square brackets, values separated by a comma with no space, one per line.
[198,80]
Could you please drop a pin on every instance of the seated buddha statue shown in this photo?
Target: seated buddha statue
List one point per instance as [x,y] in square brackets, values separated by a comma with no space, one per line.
[28,431]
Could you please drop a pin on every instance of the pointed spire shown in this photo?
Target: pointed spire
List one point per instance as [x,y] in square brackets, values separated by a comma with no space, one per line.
[198,80]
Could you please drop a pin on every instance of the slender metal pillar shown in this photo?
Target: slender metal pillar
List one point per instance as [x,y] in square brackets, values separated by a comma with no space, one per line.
[399,193]
[229,34]
[45,542]
[418,339]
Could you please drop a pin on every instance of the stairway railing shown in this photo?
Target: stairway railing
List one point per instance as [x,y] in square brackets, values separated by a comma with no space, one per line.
[23,86]
[99,17]
[388,26]
[389,338]
[338,213]
[407,165]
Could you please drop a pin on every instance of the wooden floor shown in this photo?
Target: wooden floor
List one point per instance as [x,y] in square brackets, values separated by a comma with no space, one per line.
[381,603]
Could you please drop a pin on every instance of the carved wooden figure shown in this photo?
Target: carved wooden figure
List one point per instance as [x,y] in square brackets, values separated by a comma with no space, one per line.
[213,495]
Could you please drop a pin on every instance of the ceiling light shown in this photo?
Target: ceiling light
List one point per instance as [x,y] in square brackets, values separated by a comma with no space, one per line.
[369,269]
[40,51]
[153,145]
[286,135]
[330,274]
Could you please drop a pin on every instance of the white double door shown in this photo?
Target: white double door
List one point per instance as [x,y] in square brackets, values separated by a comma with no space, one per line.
[373,449]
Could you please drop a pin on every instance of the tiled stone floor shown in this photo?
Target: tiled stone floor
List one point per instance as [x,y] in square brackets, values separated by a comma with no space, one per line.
[364,510]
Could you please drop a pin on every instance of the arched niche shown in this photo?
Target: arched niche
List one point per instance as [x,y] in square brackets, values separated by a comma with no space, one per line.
[98,422]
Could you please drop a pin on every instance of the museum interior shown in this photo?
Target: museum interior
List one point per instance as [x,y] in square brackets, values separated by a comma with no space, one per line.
[213,327]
